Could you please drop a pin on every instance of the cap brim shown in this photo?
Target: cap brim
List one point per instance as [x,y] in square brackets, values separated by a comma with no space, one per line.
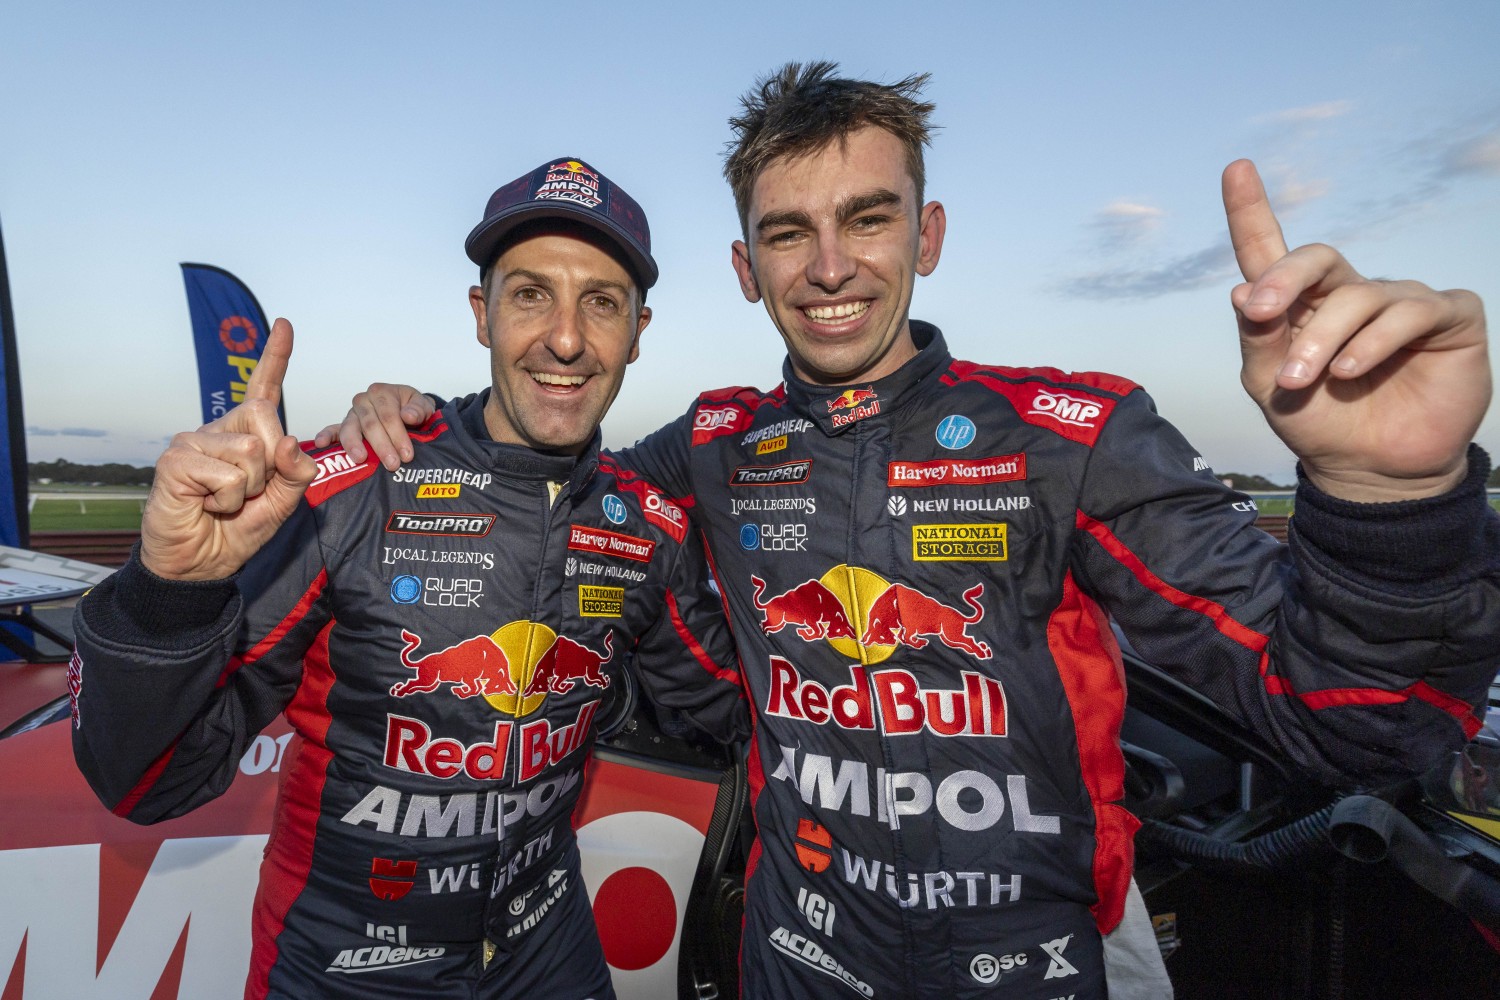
[485,239]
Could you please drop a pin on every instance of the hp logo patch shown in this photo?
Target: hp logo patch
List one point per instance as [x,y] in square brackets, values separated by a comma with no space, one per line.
[749,537]
[614,508]
[406,590]
[955,432]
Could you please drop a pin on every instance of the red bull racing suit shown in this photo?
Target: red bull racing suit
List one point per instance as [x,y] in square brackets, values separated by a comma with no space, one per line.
[920,572]
[442,639]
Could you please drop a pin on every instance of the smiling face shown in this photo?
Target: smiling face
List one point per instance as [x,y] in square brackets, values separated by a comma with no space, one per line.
[561,318]
[836,242]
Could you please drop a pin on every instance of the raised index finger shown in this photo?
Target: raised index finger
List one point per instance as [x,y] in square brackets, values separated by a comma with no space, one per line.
[1253,228]
[265,380]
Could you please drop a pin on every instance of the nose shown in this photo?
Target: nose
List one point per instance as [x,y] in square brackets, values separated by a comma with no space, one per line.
[832,264]
[565,338]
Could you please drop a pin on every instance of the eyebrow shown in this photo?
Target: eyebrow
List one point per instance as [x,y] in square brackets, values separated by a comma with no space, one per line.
[845,211]
[593,284]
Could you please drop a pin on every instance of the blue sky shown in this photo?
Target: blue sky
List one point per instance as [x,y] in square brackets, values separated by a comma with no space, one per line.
[335,154]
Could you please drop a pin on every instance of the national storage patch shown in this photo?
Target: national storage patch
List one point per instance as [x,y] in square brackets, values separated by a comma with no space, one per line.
[600,602]
[958,543]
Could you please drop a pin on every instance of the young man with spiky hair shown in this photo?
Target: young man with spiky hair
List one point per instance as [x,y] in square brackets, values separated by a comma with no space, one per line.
[921,557]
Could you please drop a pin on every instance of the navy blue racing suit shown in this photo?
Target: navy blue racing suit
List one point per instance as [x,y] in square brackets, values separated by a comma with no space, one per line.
[442,640]
[921,572]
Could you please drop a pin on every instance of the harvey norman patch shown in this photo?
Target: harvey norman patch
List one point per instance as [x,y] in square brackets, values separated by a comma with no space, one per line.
[412,522]
[609,543]
[600,602]
[958,543]
[955,471]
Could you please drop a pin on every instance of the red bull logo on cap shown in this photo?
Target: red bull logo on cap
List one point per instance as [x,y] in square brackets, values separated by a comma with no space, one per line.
[867,618]
[513,668]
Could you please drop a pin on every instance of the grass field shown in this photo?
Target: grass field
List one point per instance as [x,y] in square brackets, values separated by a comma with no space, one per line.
[84,514]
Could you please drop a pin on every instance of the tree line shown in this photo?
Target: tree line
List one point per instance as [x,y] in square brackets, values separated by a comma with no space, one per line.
[109,474]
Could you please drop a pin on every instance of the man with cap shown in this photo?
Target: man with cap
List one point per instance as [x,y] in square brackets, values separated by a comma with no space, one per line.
[424,632]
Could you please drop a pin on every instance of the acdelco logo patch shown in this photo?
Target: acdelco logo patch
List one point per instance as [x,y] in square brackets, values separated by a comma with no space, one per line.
[784,474]
[411,522]
[958,543]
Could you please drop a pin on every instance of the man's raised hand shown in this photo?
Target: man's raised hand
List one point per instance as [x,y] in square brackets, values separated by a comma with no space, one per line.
[378,418]
[1377,386]
[223,490]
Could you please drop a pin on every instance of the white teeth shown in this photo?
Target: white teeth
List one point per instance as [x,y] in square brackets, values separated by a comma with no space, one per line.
[843,311]
[547,378]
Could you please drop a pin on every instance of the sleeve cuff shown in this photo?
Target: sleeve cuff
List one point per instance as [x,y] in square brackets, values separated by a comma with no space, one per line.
[1450,538]
[137,607]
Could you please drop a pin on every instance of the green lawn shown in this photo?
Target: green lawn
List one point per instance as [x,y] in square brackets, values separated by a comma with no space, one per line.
[85,514]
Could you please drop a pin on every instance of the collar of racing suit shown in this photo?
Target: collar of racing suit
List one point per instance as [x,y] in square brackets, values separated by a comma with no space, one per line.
[466,421]
[837,408]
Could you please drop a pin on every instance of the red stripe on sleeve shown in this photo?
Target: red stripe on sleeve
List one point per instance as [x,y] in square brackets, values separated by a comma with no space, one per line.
[289,852]
[689,640]
[1093,679]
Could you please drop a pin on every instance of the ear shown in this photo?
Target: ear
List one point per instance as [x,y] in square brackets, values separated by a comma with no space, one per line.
[745,270]
[640,328]
[930,237]
[481,314]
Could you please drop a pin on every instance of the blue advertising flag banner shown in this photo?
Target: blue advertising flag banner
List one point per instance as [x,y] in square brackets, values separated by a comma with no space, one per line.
[229,333]
[14,529]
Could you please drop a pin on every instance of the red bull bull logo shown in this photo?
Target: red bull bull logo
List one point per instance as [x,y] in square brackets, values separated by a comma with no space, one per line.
[867,618]
[513,668]
[851,399]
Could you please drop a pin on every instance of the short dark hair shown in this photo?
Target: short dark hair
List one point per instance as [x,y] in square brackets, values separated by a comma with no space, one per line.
[803,107]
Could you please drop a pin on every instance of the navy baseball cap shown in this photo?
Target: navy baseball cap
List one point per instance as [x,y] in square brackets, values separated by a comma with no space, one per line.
[566,188]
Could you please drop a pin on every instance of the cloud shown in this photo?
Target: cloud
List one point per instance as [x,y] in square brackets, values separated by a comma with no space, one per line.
[1210,266]
[1309,113]
[41,432]
[1480,155]
[1124,224]
[83,432]
[1292,193]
